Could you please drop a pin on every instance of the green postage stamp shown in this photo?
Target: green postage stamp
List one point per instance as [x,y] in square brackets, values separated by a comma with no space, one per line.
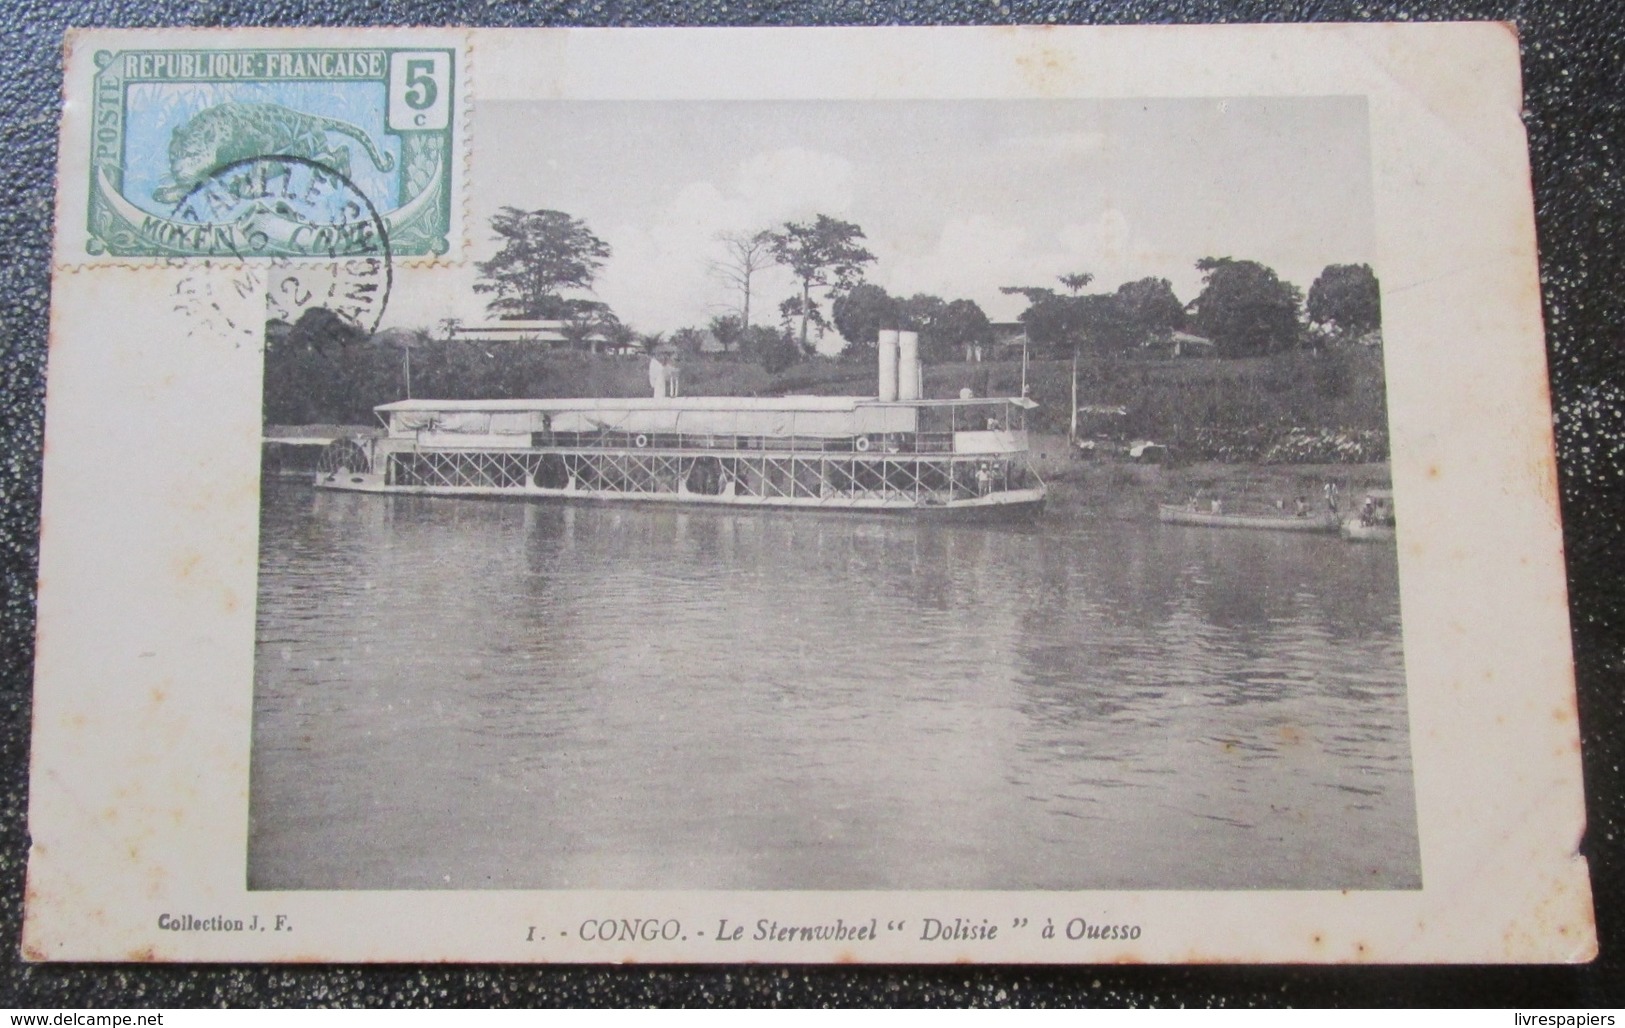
[273,152]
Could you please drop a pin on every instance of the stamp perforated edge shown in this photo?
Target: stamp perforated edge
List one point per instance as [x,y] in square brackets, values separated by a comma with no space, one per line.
[75,166]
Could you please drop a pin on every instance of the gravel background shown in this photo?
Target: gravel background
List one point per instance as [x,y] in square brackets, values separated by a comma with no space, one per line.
[1574,66]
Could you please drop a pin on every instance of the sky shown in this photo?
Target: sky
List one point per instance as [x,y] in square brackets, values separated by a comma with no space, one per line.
[956,198]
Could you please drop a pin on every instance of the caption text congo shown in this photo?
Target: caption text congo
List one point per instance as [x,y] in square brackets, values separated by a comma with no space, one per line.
[925,929]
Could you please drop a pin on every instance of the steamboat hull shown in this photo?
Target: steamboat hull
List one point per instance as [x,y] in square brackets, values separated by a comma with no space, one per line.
[971,488]
[1009,505]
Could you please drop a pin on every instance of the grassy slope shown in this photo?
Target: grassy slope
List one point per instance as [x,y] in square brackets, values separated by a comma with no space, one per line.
[1166,400]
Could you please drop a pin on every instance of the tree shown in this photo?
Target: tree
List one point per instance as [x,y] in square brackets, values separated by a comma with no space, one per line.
[729,329]
[945,328]
[581,330]
[923,313]
[406,340]
[618,334]
[860,314]
[773,350]
[1097,323]
[1345,300]
[806,311]
[744,254]
[1246,309]
[1052,321]
[1076,281]
[1104,328]
[689,341]
[823,254]
[919,313]
[1150,308]
[317,370]
[959,326]
[543,254]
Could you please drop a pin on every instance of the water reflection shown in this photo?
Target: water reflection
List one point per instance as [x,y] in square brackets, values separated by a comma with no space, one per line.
[474,694]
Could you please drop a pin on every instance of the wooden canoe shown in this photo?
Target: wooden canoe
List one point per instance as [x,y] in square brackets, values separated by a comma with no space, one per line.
[1174,514]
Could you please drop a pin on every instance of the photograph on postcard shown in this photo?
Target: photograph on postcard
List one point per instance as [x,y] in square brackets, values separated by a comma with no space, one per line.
[837,495]
[889,495]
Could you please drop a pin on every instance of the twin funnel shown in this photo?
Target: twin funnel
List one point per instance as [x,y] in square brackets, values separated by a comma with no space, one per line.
[901,374]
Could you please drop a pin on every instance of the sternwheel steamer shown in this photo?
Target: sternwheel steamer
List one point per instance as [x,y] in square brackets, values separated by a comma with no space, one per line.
[893,452]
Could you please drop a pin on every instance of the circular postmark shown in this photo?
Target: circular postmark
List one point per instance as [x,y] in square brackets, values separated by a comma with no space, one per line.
[292,229]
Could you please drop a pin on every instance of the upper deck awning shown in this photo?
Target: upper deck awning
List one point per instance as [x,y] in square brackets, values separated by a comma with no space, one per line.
[462,422]
[631,403]
[681,403]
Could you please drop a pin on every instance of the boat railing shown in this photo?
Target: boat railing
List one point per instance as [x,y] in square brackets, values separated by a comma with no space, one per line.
[761,474]
[880,443]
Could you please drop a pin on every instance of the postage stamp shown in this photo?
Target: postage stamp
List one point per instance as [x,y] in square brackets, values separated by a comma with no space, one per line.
[166,124]
[938,505]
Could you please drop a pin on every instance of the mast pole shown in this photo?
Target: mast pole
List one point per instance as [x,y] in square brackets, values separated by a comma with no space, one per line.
[1073,432]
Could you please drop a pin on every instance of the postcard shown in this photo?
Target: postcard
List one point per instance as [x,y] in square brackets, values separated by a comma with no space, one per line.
[1059,495]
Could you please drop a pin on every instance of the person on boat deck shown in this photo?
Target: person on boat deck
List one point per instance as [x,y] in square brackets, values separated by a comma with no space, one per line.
[1303,508]
[1331,497]
[1217,506]
[984,479]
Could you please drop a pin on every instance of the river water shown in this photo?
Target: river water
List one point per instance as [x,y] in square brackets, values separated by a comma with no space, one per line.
[474,694]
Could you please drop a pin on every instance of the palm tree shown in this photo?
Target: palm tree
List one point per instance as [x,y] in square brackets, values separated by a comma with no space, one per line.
[619,335]
[580,331]
[1076,281]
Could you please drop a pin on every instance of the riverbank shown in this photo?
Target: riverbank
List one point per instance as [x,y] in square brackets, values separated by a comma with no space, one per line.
[1297,405]
[1133,491]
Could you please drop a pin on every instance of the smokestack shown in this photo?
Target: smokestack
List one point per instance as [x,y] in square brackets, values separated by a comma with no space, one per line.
[658,377]
[888,364]
[908,365]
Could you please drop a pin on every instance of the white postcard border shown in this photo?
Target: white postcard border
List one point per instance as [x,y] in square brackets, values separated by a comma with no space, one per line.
[144,674]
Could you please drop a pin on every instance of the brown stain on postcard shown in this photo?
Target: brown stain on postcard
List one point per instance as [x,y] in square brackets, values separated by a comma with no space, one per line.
[1047,69]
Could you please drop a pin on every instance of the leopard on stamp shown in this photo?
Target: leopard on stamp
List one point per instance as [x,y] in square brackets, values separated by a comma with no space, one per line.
[166,122]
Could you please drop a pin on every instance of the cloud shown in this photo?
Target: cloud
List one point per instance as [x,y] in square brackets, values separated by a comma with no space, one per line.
[1106,239]
[972,258]
[794,183]
[660,279]
[975,256]
[1111,248]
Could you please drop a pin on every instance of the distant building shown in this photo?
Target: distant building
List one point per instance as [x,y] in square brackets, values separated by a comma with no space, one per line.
[548,332]
[1008,335]
[541,333]
[1179,344]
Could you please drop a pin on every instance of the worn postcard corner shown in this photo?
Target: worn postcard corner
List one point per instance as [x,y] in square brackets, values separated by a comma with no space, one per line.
[888,495]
